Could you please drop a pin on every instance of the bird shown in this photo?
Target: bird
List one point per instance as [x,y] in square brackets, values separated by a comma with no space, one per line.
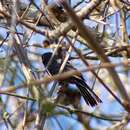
[57,14]
[53,68]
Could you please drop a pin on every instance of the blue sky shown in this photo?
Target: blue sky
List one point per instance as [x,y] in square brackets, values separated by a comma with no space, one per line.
[106,107]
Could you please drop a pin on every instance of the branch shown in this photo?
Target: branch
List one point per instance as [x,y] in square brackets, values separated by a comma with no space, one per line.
[94,45]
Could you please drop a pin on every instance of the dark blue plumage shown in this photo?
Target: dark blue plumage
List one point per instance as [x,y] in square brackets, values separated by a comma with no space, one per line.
[89,96]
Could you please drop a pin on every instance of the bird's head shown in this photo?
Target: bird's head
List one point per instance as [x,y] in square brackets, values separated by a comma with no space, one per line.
[46,57]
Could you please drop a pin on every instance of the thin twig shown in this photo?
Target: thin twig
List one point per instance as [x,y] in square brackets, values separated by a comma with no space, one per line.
[71,110]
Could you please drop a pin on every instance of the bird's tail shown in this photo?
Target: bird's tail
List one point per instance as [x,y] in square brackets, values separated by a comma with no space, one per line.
[89,96]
